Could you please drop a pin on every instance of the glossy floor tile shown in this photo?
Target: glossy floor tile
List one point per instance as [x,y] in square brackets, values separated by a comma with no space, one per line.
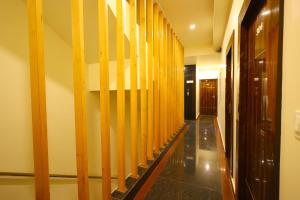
[193,171]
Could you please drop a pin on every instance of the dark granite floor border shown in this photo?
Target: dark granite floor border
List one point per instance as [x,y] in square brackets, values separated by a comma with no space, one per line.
[134,185]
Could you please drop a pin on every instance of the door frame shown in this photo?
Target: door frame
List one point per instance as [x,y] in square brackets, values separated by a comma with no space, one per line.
[249,8]
[229,108]
[217,95]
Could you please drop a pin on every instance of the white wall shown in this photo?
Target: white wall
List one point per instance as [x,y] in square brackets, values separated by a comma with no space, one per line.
[290,146]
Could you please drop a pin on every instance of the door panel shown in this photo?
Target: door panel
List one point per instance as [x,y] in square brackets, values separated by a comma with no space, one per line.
[208,97]
[190,92]
[261,117]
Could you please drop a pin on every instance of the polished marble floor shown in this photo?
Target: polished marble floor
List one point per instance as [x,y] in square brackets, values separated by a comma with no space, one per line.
[193,171]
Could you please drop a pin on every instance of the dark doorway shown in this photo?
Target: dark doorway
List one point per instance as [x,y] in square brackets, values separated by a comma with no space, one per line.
[208,97]
[190,92]
[260,99]
[229,104]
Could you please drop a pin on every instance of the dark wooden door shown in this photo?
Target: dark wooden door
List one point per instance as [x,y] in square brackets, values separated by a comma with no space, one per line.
[259,146]
[190,92]
[208,97]
[229,107]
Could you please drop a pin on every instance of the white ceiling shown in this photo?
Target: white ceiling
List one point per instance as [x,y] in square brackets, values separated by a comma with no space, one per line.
[210,17]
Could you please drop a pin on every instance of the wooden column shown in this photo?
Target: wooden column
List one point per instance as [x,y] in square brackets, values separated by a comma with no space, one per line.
[143,78]
[165,130]
[104,98]
[120,97]
[133,90]
[156,77]
[169,110]
[38,99]
[80,99]
[149,7]
[161,83]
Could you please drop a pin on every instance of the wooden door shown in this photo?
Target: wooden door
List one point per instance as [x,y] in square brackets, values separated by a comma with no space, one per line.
[190,92]
[208,97]
[229,106]
[260,102]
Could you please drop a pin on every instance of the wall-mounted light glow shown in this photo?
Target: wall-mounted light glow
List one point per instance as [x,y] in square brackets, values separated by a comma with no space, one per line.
[207,167]
[266,12]
[192,26]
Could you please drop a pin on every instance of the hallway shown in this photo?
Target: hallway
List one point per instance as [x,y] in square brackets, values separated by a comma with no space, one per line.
[194,170]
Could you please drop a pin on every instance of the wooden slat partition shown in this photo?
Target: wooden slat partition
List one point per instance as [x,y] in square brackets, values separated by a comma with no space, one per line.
[120,97]
[143,82]
[38,98]
[133,89]
[149,17]
[104,98]
[80,99]
[156,77]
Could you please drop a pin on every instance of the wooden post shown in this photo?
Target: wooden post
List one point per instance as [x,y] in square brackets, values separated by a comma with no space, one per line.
[156,76]
[149,7]
[169,110]
[104,98]
[80,99]
[133,90]
[38,99]
[165,130]
[161,83]
[120,97]
[143,83]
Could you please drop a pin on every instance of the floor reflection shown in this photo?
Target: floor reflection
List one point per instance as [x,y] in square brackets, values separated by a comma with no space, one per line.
[193,170]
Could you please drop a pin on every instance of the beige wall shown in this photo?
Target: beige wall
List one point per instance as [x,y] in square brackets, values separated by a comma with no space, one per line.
[290,146]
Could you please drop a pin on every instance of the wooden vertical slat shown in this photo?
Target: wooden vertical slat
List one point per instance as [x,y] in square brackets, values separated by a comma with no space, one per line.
[38,98]
[143,81]
[156,77]
[165,130]
[133,89]
[80,99]
[169,111]
[149,17]
[172,83]
[182,87]
[161,84]
[104,98]
[120,97]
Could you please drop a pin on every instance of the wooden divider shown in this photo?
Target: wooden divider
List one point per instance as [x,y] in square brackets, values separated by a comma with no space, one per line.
[104,98]
[38,98]
[120,97]
[80,99]
[143,82]
[133,90]
[156,77]
[161,117]
[149,17]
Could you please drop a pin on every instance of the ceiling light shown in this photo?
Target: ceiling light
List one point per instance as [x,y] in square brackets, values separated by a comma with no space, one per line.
[192,26]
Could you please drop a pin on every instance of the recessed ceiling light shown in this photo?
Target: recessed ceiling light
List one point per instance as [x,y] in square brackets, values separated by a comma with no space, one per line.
[192,26]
